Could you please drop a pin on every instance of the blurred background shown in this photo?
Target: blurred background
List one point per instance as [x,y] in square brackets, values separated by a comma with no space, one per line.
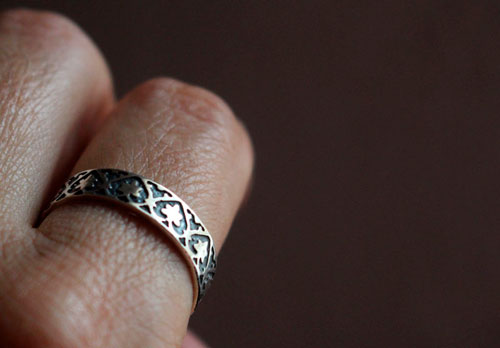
[374,219]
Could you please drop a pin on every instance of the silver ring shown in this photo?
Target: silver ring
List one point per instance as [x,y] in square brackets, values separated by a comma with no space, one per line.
[161,206]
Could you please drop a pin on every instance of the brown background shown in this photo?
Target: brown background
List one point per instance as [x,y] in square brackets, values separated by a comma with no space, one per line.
[374,219]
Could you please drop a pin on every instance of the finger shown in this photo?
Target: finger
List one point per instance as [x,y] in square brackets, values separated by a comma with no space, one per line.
[113,263]
[192,341]
[54,87]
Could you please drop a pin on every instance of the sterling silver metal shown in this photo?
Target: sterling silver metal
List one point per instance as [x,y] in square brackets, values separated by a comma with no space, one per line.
[160,205]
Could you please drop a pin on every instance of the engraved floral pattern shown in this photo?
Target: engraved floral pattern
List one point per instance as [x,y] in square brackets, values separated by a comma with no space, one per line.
[158,203]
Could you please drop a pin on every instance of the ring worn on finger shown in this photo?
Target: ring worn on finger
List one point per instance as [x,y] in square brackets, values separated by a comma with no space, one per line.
[160,205]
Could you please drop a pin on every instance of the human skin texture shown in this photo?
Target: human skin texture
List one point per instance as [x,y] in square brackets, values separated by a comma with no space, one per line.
[90,274]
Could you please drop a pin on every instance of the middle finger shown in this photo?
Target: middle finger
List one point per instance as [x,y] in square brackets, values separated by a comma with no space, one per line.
[178,135]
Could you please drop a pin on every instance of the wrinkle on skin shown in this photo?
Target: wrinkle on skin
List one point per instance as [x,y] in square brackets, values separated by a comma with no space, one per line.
[51,78]
[91,274]
[178,138]
[192,157]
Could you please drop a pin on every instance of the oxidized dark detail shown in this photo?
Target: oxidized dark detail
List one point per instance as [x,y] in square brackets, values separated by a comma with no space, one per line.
[158,203]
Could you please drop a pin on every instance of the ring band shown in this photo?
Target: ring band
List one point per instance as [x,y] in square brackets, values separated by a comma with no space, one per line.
[161,206]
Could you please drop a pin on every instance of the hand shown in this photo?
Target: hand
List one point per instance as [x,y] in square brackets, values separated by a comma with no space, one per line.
[91,275]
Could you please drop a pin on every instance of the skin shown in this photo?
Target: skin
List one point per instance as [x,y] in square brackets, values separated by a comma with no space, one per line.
[92,275]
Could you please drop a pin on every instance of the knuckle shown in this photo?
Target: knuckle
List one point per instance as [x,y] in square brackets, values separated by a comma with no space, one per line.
[191,101]
[41,30]
[207,109]
[188,109]
[205,105]
[153,93]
